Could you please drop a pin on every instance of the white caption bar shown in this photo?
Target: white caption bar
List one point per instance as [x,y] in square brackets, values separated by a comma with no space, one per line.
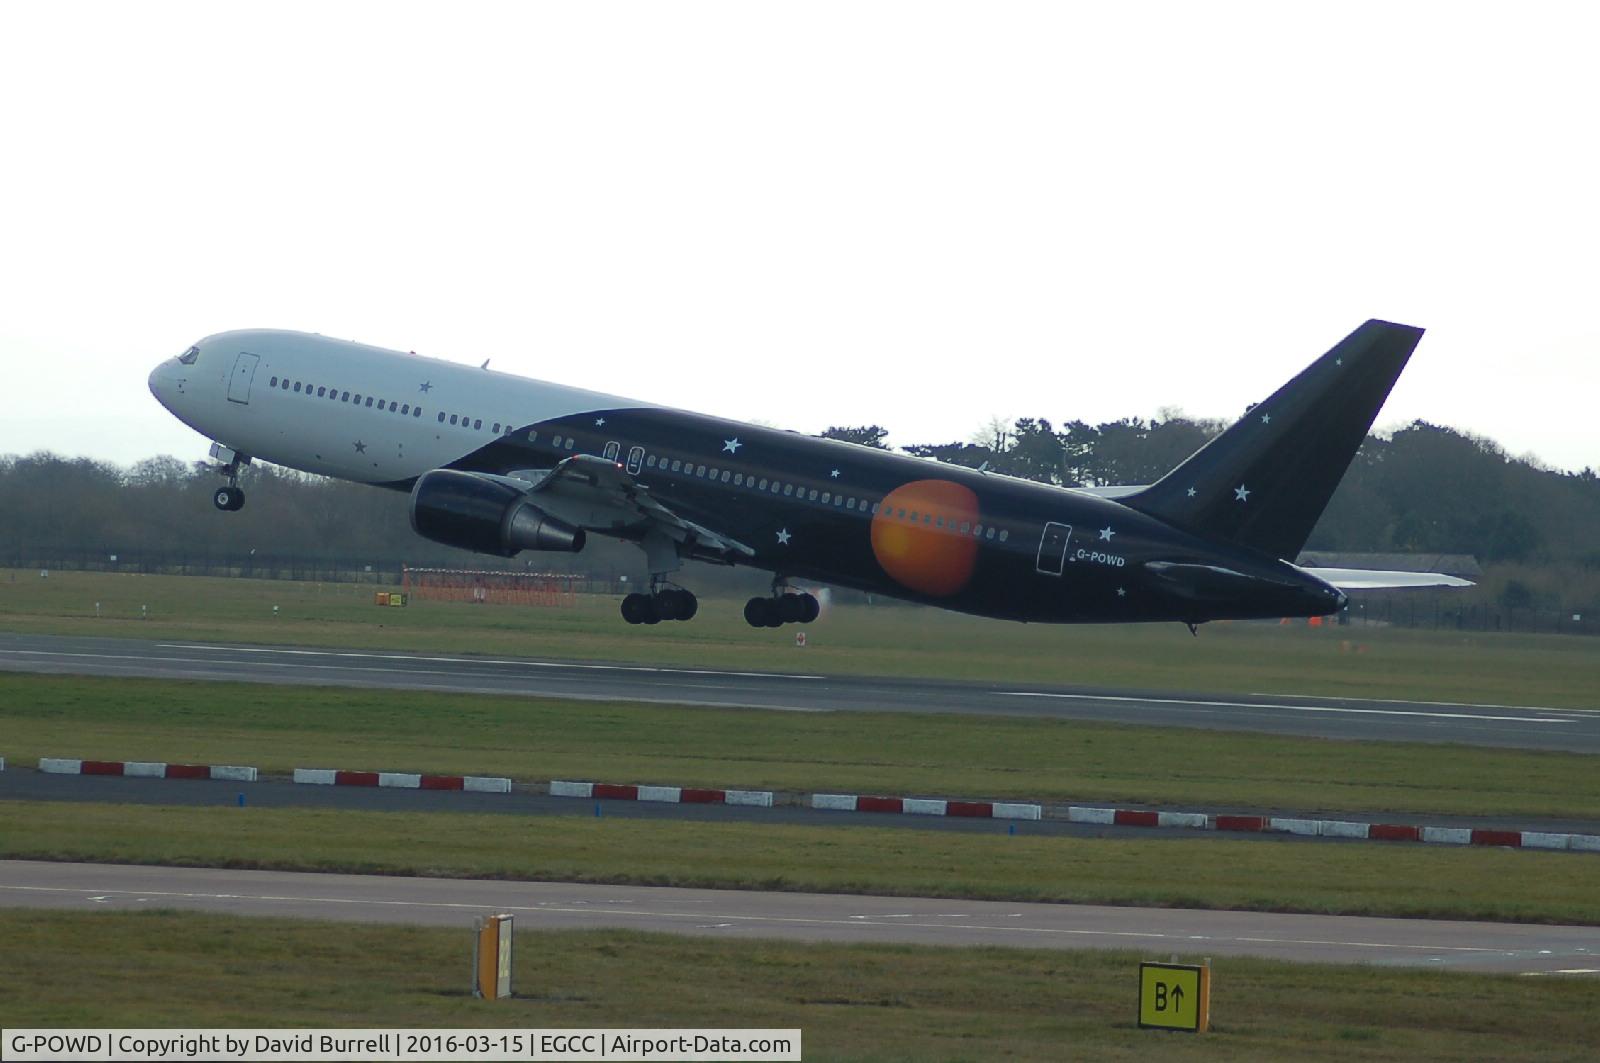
[293,1046]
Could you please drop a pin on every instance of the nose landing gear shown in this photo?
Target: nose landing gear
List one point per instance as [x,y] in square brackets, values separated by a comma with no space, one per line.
[229,499]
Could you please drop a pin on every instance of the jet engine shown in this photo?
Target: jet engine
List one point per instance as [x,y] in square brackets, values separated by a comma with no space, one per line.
[475,512]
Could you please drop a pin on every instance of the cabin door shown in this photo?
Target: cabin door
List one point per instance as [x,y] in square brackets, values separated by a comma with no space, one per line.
[1053,548]
[244,371]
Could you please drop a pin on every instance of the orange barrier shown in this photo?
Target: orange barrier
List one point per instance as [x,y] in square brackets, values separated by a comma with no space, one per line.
[548,589]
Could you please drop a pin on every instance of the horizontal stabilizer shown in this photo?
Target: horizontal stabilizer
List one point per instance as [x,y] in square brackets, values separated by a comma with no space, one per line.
[1367,579]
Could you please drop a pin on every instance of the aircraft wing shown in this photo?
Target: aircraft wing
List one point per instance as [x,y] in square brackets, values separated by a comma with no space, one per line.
[595,492]
[1367,579]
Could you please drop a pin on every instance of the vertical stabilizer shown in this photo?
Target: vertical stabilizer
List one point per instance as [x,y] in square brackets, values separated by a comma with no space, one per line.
[1264,482]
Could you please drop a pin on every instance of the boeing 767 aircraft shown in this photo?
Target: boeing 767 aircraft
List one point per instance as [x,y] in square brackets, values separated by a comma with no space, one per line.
[499,464]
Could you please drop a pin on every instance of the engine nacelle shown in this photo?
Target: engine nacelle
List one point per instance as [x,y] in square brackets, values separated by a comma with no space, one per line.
[473,512]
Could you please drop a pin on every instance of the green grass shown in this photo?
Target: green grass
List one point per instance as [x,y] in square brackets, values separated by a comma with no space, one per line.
[278,728]
[1368,878]
[879,640]
[851,1002]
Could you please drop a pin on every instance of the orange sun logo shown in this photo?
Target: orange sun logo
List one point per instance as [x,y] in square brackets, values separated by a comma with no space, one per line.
[917,537]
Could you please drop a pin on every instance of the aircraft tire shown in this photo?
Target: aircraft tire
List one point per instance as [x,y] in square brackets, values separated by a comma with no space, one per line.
[813,608]
[791,608]
[228,499]
[757,612]
[666,604]
[633,608]
[688,605]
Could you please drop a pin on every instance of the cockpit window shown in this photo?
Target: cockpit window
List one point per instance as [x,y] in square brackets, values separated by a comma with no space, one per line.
[188,357]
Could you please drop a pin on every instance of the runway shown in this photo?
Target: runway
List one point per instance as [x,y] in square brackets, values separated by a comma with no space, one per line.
[1504,726]
[742,915]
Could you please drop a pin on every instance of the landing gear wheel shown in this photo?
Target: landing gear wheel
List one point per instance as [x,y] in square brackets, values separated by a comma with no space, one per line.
[666,603]
[791,608]
[812,608]
[633,608]
[760,612]
[228,499]
[675,603]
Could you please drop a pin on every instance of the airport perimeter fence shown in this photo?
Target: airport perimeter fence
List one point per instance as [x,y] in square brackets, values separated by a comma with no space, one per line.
[1430,610]
[381,572]
[1446,610]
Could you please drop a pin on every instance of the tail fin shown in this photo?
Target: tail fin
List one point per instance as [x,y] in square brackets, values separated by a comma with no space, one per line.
[1264,482]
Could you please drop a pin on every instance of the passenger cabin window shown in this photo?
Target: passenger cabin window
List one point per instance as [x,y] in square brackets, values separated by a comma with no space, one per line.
[274,383]
[477,424]
[496,428]
[297,387]
[321,392]
[452,418]
[345,397]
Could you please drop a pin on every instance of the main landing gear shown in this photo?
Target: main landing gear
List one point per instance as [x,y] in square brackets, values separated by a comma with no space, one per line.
[663,603]
[783,607]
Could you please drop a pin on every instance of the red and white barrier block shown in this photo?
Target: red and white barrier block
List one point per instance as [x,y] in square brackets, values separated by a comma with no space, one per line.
[401,780]
[921,806]
[677,795]
[1335,828]
[146,769]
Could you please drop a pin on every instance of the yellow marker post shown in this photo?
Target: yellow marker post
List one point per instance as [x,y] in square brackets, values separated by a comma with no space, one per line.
[491,958]
[1174,996]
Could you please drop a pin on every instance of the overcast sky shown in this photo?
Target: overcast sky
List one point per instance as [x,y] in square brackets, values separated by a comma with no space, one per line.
[916,215]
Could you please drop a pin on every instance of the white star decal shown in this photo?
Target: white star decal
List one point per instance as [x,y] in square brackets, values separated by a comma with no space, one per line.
[1106,534]
[834,474]
[1190,492]
[1122,592]
[783,536]
[1338,361]
[731,446]
[599,422]
[1241,493]
[1266,418]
